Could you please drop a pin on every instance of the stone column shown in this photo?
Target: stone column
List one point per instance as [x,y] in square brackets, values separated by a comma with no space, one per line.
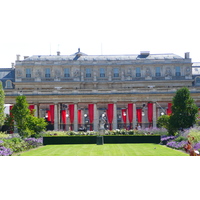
[36,110]
[96,118]
[55,116]
[115,116]
[75,117]
[154,114]
[134,116]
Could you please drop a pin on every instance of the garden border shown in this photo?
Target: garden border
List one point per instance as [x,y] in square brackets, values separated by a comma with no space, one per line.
[107,139]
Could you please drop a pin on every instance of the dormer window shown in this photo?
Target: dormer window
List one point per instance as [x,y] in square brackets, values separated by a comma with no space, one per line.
[8,84]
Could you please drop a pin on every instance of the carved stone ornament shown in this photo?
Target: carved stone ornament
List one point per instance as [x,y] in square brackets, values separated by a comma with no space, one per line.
[168,72]
[76,73]
[187,71]
[19,73]
[148,72]
[38,73]
[57,73]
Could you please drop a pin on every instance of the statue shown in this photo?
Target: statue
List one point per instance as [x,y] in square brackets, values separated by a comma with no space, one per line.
[102,121]
[168,72]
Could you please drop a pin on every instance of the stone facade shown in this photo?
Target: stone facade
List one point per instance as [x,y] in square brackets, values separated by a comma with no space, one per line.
[82,79]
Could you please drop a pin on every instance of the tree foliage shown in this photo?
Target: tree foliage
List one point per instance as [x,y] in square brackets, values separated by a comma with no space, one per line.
[2,98]
[163,121]
[27,124]
[184,110]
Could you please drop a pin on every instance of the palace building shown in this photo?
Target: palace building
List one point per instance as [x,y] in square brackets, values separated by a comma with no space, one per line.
[73,91]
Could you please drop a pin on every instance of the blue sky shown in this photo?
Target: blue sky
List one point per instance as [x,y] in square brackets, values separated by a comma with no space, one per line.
[42,27]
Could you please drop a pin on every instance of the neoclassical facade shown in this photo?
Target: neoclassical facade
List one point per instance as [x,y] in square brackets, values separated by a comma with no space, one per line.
[73,91]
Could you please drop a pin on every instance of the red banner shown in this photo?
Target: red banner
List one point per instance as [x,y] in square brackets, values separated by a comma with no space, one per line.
[150,112]
[130,112]
[139,115]
[52,113]
[169,109]
[91,115]
[31,108]
[63,115]
[110,114]
[124,115]
[71,113]
[79,116]
[48,116]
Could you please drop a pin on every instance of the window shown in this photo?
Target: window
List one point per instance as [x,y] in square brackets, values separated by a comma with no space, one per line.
[28,73]
[178,71]
[8,84]
[138,72]
[116,72]
[102,72]
[66,72]
[88,72]
[47,72]
[158,71]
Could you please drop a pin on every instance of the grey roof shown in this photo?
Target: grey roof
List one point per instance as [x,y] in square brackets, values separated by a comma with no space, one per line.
[84,57]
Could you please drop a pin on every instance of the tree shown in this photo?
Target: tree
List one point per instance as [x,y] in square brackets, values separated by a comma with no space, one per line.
[2,98]
[163,121]
[184,111]
[27,124]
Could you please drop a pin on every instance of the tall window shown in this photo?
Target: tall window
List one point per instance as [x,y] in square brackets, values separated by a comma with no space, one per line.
[178,71]
[28,73]
[102,72]
[138,72]
[47,72]
[116,72]
[66,72]
[157,71]
[88,72]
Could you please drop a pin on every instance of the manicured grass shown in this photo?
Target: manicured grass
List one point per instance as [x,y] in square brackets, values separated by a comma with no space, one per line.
[104,150]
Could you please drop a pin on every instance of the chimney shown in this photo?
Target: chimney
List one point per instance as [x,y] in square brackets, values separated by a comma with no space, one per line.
[25,57]
[58,53]
[18,57]
[146,53]
[187,55]
[12,64]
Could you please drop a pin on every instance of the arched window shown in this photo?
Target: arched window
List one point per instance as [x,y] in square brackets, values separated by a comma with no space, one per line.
[8,84]
[197,80]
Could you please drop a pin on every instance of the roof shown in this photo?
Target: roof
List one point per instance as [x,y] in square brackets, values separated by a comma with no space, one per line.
[7,73]
[84,57]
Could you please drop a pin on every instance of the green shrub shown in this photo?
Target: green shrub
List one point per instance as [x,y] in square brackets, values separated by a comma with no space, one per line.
[180,138]
[4,135]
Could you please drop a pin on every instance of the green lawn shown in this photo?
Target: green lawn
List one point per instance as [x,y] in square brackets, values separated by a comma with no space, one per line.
[104,150]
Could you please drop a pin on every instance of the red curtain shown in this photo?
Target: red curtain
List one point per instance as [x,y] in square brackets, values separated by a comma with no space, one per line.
[169,109]
[91,115]
[52,113]
[124,115]
[110,114]
[139,115]
[79,116]
[31,108]
[71,113]
[63,115]
[130,112]
[48,115]
[150,112]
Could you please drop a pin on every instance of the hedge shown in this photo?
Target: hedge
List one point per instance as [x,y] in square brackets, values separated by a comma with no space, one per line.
[107,139]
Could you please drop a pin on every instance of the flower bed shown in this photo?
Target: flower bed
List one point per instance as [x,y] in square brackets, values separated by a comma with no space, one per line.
[13,145]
